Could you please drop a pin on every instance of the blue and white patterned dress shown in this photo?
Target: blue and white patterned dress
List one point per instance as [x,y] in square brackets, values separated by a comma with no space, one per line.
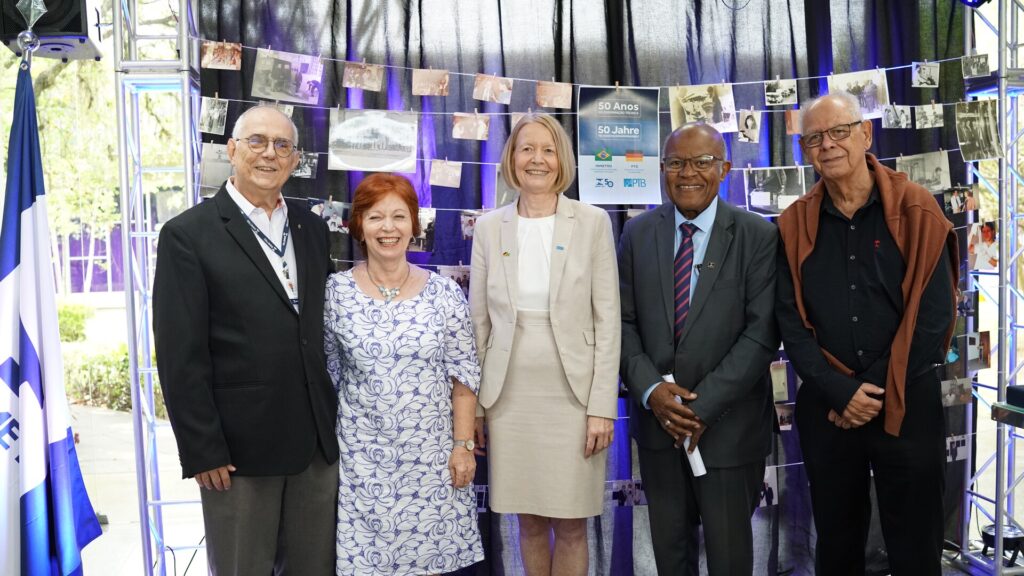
[392,365]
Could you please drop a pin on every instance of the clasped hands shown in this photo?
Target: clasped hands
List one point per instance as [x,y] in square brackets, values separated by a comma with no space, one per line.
[861,409]
[677,418]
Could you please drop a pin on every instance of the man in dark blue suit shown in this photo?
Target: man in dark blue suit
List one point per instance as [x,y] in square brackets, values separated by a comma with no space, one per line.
[238,311]
[697,367]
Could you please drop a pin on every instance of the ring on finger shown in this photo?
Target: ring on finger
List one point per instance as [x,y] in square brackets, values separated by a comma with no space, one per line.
[667,422]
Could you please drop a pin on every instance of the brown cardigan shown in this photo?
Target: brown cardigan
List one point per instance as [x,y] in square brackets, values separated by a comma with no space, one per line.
[920,230]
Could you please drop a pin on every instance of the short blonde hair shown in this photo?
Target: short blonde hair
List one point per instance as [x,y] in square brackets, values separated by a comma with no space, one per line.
[563,149]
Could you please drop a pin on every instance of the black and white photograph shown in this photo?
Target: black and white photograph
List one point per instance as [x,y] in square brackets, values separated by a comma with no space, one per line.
[554,94]
[307,165]
[709,103]
[780,381]
[213,115]
[928,116]
[460,274]
[772,190]
[956,391]
[785,415]
[956,448]
[897,117]
[467,222]
[470,126]
[770,487]
[286,109]
[780,92]
[429,82]
[372,140]
[930,169]
[214,168]
[979,351]
[750,126]
[983,246]
[425,241]
[287,76]
[489,88]
[445,173]
[869,87]
[363,76]
[925,75]
[220,55]
[336,215]
[977,130]
[974,66]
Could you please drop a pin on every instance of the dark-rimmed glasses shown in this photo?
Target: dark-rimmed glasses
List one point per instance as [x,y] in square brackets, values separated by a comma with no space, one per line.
[258,143]
[699,163]
[836,133]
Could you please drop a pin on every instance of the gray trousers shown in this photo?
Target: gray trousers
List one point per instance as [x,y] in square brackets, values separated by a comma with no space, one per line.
[274,525]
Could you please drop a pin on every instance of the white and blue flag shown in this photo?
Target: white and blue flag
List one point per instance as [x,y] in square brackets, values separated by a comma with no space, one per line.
[47,518]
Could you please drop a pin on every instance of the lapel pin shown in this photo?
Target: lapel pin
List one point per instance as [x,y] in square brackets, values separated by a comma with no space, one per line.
[711,265]
[505,253]
[559,247]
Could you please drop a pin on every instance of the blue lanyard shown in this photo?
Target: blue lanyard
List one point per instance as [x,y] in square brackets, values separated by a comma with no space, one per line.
[279,251]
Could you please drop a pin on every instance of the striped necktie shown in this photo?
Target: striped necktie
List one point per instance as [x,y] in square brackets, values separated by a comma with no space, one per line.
[683,270]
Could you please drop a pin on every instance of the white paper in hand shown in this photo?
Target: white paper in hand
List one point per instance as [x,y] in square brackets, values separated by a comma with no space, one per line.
[696,462]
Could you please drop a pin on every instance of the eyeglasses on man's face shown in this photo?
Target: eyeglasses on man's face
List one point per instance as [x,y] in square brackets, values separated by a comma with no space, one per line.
[258,143]
[699,163]
[836,133]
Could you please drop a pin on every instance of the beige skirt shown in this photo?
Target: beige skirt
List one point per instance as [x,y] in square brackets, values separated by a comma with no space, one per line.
[537,432]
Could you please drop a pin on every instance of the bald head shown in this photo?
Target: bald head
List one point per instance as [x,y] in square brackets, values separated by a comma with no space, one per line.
[693,166]
[839,103]
[698,132]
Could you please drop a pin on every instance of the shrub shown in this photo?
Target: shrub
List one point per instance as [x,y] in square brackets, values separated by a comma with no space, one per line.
[103,379]
[71,321]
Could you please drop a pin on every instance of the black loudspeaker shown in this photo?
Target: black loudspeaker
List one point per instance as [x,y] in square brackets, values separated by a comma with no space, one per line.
[63,30]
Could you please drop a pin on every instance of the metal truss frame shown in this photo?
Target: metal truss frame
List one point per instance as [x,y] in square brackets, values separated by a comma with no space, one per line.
[136,78]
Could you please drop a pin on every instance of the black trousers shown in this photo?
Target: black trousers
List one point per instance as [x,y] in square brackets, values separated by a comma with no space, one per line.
[722,501]
[909,475]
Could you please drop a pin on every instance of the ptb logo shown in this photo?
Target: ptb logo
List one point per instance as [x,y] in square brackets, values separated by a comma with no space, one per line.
[635,183]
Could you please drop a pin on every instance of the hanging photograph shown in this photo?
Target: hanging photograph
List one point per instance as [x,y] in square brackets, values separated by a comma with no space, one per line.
[287,76]
[780,380]
[503,192]
[307,165]
[372,140]
[429,82]
[363,76]
[445,173]
[896,117]
[975,66]
[792,118]
[425,241]
[769,492]
[983,246]
[967,304]
[750,126]
[709,103]
[336,216]
[785,415]
[957,391]
[619,145]
[958,200]
[925,75]
[956,448]
[467,221]
[214,168]
[928,116]
[977,130]
[979,351]
[470,126]
[869,88]
[780,92]
[554,95]
[459,274]
[286,109]
[213,115]
[492,89]
[772,190]
[220,55]
[930,170]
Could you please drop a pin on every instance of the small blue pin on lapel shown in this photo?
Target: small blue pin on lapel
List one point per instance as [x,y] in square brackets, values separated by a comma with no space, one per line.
[559,247]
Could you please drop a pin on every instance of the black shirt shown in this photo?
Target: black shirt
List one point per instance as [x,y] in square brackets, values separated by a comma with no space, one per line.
[853,297]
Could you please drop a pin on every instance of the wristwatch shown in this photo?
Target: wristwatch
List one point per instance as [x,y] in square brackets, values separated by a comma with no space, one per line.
[467,444]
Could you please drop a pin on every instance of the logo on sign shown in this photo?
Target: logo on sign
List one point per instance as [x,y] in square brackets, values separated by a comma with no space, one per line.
[635,183]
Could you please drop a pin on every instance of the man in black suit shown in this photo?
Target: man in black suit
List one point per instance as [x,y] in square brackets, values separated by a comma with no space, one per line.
[238,304]
[717,347]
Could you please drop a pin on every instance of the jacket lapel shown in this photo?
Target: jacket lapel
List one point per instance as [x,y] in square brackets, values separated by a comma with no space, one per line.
[510,252]
[664,240]
[238,228]
[300,236]
[565,221]
[718,247]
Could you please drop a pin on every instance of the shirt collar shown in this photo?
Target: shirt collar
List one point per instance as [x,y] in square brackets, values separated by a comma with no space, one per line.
[828,206]
[248,208]
[704,221]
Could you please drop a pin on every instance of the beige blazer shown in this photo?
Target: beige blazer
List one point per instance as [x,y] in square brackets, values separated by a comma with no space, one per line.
[584,301]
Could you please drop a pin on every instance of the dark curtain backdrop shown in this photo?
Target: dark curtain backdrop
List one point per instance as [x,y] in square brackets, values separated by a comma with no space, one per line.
[636,43]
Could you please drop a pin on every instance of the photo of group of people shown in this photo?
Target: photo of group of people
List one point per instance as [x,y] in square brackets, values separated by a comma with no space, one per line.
[489,88]
[460,274]
[928,116]
[930,169]
[467,221]
[784,412]
[287,76]
[780,92]
[897,117]
[213,115]
[220,55]
[554,94]
[429,82]
[957,391]
[959,199]
[425,241]
[445,173]
[709,103]
[869,87]
[974,66]
[772,190]
[470,126]
[977,129]
[363,76]
[925,75]
[336,216]
[307,165]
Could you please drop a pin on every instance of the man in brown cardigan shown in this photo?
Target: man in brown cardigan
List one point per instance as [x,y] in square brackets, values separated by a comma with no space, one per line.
[865,305]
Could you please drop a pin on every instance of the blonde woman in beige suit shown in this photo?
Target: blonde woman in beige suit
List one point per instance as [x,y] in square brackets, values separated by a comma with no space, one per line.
[544,297]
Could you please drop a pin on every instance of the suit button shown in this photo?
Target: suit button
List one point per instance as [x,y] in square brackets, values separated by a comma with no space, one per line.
[304,342]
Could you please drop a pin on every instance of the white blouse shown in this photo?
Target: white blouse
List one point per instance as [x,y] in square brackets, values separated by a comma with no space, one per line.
[534,242]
